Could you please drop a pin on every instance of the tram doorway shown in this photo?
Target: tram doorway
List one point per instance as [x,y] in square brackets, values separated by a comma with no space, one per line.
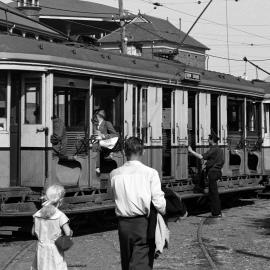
[108,96]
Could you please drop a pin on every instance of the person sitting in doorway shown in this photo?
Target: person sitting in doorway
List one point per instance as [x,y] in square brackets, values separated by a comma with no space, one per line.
[103,130]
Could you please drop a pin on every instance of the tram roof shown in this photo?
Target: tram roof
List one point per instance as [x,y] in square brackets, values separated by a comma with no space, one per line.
[93,61]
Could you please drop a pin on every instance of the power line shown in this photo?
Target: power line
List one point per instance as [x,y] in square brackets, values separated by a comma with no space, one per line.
[209,21]
[227,37]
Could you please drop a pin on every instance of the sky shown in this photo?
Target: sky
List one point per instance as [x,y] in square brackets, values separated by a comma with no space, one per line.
[248,29]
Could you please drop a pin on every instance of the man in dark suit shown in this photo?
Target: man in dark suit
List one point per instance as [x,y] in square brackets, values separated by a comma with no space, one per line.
[103,130]
[214,162]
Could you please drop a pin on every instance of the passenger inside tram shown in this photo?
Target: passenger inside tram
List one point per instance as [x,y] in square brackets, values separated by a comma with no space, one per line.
[105,139]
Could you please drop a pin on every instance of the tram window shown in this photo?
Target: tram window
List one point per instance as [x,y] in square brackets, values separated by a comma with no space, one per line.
[70,106]
[235,115]
[32,101]
[108,95]
[144,115]
[140,113]
[3,101]
[214,113]
[253,113]
[266,118]
[134,111]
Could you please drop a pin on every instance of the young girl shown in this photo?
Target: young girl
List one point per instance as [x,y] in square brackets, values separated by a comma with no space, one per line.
[49,223]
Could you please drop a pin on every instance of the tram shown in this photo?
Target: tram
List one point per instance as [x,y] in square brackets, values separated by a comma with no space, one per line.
[168,105]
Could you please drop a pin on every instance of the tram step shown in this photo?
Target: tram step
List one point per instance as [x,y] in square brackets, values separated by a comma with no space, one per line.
[18,207]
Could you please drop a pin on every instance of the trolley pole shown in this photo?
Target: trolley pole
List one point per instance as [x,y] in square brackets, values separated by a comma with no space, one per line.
[122,25]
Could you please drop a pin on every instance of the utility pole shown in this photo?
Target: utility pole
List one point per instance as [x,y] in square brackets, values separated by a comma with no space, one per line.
[122,26]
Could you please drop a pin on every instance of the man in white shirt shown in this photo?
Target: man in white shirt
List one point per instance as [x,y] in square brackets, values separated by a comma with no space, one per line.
[135,186]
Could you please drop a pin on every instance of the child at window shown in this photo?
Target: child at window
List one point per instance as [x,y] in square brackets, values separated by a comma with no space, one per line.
[49,223]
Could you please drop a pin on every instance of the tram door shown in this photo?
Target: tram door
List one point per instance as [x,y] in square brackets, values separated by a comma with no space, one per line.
[15,129]
[154,107]
[174,132]
[192,128]
[32,130]
[180,133]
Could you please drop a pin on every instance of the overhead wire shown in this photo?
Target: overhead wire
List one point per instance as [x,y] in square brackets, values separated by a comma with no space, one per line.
[209,21]
[106,30]
[227,36]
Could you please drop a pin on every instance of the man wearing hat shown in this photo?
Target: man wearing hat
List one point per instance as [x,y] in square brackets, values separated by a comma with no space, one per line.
[214,163]
[103,130]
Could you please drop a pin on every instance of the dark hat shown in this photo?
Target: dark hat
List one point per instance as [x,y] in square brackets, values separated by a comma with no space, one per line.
[101,113]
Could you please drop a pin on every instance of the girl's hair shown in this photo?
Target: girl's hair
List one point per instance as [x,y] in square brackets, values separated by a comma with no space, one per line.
[54,195]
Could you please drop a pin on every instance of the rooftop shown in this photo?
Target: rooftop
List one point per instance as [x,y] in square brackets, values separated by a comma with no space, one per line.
[150,29]
[12,16]
[74,8]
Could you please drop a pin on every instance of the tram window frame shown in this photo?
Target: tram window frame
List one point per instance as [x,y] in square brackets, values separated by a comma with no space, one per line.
[140,112]
[3,100]
[36,83]
[68,96]
[266,111]
[237,114]
[253,125]
[214,113]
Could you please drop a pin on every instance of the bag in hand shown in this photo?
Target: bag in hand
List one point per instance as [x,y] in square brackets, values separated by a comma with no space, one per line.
[64,242]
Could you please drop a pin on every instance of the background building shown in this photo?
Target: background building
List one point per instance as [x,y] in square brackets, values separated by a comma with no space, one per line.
[88,22]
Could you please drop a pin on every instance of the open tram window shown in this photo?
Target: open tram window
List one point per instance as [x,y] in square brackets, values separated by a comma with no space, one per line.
[3,101]
[108,96]
[71,101]
[33,101]
[235,113]
[214,113]
[253,117]
[266,118]
[70,106]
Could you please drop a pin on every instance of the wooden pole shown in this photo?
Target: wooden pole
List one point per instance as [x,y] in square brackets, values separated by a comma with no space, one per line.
[122,25]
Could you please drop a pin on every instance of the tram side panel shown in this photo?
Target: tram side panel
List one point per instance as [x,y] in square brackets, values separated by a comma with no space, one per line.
[5,94]
[154,107]
[266,137]
[180,133]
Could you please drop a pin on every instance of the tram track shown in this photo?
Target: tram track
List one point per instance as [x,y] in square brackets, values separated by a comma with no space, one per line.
[203,246]
[18,254]
[212,261]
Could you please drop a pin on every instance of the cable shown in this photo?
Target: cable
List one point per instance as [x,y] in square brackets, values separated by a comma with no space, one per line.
[209,21]
[227,39]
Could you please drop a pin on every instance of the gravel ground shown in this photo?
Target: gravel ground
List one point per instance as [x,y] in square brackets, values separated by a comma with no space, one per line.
[237,241]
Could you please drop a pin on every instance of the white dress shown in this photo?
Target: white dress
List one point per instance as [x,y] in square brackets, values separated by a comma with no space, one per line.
[48,257]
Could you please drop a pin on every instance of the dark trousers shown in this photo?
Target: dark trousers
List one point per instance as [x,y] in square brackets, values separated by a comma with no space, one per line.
[213,176]
[137,251]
